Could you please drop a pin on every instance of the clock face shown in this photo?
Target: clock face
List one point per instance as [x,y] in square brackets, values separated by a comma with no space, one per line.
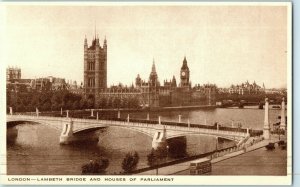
[183,73]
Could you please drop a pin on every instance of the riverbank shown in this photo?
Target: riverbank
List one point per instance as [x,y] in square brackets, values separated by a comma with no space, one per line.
[258,162]
[254,160]
[115,110]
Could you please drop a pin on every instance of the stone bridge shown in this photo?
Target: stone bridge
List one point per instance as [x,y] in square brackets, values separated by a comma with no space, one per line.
[75,129]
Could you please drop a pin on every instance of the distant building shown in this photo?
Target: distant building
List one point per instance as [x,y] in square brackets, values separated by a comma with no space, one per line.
[13,74]
[14,81]
[246,89]
[49,83]
[276,91]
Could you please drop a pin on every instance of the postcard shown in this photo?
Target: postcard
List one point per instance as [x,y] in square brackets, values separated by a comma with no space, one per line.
[166,93]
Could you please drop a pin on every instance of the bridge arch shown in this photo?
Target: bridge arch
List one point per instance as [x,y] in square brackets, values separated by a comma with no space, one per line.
[13,123]
[97,127]
[205,134]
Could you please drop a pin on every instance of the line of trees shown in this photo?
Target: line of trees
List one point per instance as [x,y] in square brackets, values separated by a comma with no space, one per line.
[99,165]
[27,101]
[130,161]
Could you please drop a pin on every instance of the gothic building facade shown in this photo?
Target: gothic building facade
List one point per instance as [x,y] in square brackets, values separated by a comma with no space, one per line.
[152,94]
[95,67]
[149,93]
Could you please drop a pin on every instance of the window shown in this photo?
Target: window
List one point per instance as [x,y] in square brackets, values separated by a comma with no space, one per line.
[91,65]
[91,82]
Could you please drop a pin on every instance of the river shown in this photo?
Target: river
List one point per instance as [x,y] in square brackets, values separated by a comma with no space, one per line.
[36,149]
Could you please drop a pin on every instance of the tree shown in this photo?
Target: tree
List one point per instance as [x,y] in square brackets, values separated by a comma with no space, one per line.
[90,101]
[83,103]
[97,166]
[75,105]
[130,162]
[155,157]
[117,102]
[109,103]
[102,102]
[151,158]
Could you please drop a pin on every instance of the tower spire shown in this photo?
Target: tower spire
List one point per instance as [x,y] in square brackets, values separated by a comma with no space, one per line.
[153,66]
[85,40]
[105,42]
[95,30]
[184,60]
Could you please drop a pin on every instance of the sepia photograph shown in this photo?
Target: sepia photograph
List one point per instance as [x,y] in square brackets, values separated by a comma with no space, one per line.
[146,93]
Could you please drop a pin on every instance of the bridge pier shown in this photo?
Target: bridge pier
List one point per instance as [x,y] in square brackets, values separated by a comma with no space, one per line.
[10,111]
[148,117]
[66,136]
[67,113]
[266,131]
[92,112]
[159,139]
[282,120]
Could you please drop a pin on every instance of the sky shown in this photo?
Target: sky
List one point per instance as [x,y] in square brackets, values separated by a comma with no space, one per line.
[223,45]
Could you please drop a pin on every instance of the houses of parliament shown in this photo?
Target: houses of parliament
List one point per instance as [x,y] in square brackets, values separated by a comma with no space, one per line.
[149,93]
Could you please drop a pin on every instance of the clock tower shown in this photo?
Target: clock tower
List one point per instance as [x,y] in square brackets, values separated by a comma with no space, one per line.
[184,74]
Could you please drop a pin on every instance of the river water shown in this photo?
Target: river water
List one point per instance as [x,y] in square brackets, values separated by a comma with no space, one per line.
[36,149]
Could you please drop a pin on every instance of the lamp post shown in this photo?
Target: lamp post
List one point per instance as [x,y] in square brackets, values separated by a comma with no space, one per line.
[179,118]
[10,111]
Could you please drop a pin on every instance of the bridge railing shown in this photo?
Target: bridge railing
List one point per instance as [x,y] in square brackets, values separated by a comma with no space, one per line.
[221,128]
[176,128]
[184,130]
